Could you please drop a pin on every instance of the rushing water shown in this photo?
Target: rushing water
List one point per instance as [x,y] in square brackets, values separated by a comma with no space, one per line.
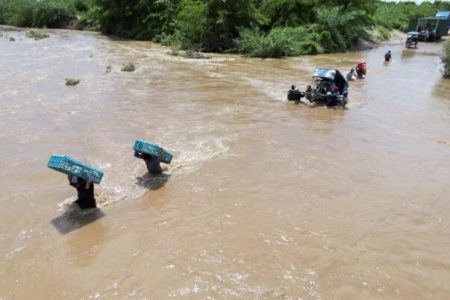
[265,199]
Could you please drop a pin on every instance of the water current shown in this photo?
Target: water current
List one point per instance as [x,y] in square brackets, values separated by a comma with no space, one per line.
[265,199]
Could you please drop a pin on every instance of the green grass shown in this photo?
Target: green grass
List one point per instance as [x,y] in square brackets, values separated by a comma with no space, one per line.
[72,81]
[128,67]
[383,33]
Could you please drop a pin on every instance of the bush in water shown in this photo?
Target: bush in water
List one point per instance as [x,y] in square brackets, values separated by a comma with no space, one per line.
[72,82]
[38,34]
[446,59]
[128,67]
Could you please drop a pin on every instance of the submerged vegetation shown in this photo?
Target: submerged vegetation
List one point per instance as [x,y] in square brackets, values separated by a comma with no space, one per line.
[189,54]
[37,34]
[261,28]
[446,59]
[129,67]
[72,81]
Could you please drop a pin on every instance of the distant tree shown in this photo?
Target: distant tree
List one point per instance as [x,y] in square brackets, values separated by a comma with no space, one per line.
[141,19]
[367,6]
[190,21]
[287,12]
[223,20]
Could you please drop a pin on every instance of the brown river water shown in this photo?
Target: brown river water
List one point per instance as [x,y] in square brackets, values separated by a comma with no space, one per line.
[264,199]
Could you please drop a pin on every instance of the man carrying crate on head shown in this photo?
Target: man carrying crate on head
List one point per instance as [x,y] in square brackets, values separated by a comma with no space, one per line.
[153,155]
[153,163]
[85,190]
[81,176]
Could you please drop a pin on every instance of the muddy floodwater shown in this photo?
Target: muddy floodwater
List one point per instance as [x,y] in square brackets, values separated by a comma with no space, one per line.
[264,199]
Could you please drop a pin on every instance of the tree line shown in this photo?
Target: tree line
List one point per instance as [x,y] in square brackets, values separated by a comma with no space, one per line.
[263,28]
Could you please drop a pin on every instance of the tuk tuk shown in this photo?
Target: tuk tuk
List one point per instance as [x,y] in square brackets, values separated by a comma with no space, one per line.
[328,87]
[412,39]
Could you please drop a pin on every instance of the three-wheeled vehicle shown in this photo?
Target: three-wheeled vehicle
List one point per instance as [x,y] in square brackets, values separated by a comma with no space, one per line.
[328,88]
[412,39]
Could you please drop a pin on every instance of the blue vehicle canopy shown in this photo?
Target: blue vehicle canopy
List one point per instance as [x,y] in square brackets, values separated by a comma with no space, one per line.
[325,73]
[332,75]
[413,33]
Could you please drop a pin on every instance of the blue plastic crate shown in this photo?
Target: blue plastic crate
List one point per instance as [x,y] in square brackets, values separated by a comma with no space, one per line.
[70,166]
[152,149]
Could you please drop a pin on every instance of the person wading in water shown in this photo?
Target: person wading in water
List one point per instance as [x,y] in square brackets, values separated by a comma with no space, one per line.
[85,190]
[152,162]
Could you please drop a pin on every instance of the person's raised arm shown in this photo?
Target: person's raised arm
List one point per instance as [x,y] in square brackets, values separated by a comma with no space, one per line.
[160,154]
[138,155]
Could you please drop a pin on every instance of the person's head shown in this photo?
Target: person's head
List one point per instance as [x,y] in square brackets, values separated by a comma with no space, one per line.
[147,156]
[292,87]
[352,70]
[389,51]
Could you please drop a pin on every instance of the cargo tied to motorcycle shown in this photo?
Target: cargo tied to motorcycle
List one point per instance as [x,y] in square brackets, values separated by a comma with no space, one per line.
[152,149]
[70,166]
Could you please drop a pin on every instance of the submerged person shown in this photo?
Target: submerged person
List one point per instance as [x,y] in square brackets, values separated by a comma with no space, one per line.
[332,99]
[361,68]
[294,94]
[152,162]
[351,75]
[388,56]
[85,190]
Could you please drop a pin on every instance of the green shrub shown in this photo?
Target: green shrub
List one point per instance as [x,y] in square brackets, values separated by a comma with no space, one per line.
[174,52]
[72,81]
[128,67]
[190,22]
[383,33]
[37,34]
[446,58]
[397,15]
[36,13]
[167,39]
[282,41]
[194,54]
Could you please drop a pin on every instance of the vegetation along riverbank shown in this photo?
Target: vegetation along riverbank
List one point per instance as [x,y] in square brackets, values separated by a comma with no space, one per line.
[259,28]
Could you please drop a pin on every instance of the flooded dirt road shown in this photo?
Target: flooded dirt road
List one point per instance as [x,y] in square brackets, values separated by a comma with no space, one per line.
[264,199]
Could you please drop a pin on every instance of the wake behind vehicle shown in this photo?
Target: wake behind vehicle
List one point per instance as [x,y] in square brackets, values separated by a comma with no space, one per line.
[412,39]
[328,88]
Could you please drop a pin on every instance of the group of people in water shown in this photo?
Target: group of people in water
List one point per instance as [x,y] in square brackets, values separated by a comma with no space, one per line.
[361,68]
[360,71]
[85,188]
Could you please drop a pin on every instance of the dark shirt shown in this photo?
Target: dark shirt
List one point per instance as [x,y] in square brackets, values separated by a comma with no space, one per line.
[387,56]
[86,197]
[153,163]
